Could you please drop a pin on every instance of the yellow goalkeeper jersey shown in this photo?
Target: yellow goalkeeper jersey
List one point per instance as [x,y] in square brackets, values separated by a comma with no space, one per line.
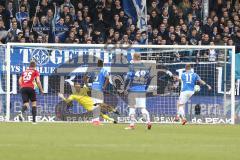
[82,98]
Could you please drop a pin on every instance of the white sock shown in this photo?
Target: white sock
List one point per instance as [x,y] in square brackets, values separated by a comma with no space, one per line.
[181,111]
[145,114]
[95,119]
[96,113]
[132,116]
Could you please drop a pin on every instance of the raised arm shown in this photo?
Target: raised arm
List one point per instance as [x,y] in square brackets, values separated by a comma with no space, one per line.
[204,84]
[67,100]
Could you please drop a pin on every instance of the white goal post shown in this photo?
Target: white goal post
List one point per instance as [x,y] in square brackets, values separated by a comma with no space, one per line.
[150,52]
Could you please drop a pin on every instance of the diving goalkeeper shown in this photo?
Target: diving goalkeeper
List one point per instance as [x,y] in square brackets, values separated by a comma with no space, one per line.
[80,94]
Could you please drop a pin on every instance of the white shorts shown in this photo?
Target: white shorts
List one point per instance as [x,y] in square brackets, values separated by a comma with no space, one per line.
[97,96]
[185,96]
[137,100]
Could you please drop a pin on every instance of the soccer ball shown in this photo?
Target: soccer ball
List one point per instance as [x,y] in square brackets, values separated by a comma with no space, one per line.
[197,88]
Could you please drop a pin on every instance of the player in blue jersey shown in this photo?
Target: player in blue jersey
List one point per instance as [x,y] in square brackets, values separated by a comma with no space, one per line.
[188,79]
[99,85]
[101,79]
[137,82]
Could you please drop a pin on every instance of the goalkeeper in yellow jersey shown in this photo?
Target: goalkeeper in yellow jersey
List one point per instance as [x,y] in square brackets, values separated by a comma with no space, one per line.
[80,94]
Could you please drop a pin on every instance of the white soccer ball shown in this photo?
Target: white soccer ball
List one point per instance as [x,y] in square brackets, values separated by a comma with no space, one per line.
[197,88]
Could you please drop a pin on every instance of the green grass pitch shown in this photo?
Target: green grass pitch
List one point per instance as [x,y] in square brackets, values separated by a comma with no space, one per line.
[74,141]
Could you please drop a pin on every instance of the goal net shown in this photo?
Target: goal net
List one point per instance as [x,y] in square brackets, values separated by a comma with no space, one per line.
[63,65]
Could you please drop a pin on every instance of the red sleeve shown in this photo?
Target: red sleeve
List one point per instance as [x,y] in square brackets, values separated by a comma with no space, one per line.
[37,73]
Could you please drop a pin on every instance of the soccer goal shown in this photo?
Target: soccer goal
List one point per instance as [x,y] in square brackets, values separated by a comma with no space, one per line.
[63,65]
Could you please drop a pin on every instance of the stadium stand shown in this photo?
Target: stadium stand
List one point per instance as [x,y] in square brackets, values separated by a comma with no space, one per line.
[105,21]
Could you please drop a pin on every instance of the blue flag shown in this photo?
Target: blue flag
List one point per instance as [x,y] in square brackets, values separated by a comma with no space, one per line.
[138,11]
[130,9]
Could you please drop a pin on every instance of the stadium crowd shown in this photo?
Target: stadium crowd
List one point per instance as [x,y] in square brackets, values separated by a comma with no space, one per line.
[105,21]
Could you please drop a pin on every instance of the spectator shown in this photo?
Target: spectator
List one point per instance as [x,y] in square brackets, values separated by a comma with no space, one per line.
[125,40]
[116,7]
[31,38]
[163,32]
[197,26]
[215,32]
[67,4]
[13,32]
[173,14]
[154,36]
[205,39]
[71,37]
[154,7]
[212,54]
[236,39]
[154,20]
[193,37]
[230,42]
[183,41]
[184,29]
[39,39]
[208,28]
[10,10]
[3,32]
[5,16]
[185,6]
[169,22]
[218,40]
[172,40]
[195,10]
[49,15]
[23,14]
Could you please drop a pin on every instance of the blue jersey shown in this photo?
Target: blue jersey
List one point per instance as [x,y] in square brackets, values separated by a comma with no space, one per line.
[189,80]
[100,75]
[138,77]
[22,15]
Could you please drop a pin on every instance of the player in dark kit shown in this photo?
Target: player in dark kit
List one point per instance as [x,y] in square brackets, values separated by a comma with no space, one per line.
[26,82]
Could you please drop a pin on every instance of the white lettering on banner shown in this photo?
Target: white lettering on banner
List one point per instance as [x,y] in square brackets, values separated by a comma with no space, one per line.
[98,53]
[56,58]
[42,70]
[163,119]
[91,55]
[25,53]
[45,70]
[14,85]
[195,120]
[207,109]
[38,119]
[79,119]
[15,68]
[211,120]
[68,56]
[220,81]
